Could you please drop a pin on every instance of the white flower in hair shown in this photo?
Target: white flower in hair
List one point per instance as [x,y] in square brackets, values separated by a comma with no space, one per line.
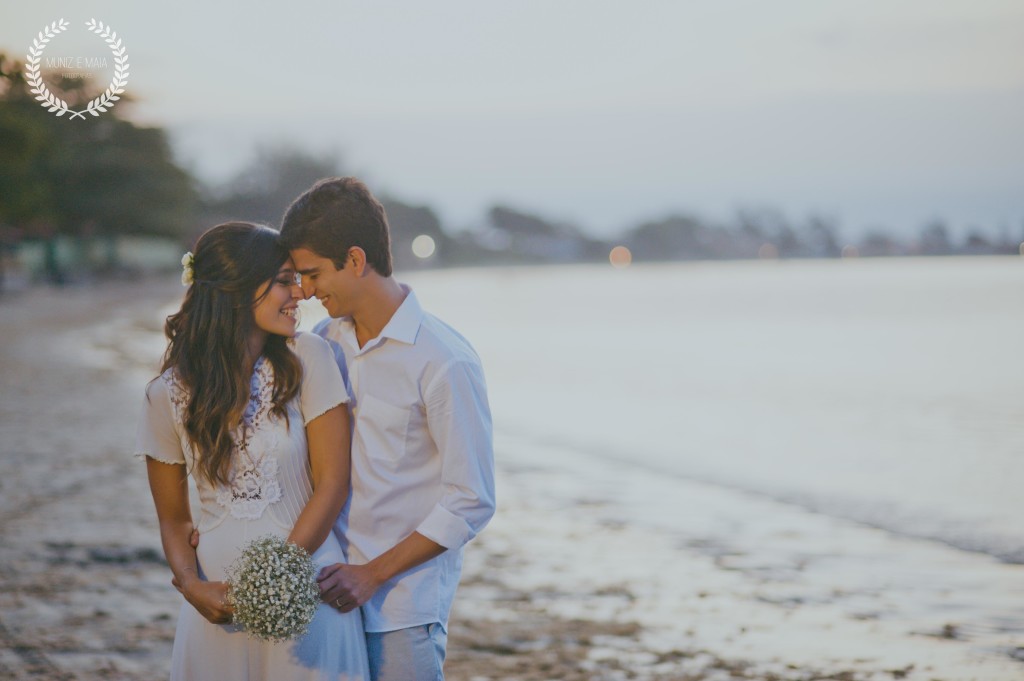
[187,274]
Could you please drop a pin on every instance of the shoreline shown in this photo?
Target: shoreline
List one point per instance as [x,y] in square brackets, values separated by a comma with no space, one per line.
[580,576]
[772,598]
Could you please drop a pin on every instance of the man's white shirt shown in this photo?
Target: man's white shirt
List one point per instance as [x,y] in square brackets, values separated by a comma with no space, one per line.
[422,456]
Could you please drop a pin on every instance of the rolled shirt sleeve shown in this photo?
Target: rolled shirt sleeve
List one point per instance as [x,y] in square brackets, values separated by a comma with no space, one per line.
[459,420]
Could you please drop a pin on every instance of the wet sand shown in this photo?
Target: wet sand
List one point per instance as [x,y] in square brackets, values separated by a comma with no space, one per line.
[559,587]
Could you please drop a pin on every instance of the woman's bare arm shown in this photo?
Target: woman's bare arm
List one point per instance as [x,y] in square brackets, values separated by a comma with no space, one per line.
[169,486]
[330,460]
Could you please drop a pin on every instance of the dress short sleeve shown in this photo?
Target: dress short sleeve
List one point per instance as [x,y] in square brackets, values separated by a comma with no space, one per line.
[157,436]
[323,388]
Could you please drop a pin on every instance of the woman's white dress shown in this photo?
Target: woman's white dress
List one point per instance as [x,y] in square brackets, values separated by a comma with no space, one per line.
[269,486]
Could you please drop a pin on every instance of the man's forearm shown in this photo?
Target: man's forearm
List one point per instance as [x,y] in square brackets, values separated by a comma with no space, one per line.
[405,555]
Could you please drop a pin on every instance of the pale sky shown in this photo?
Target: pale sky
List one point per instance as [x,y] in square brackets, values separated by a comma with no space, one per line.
[599,113]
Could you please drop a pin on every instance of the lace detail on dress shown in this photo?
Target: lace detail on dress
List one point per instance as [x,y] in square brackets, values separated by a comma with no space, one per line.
[178,395]
[252,480]
[251,488]
[261,389]
[252,477]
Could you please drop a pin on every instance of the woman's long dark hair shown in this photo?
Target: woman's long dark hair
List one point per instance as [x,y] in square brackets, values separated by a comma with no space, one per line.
[208,339]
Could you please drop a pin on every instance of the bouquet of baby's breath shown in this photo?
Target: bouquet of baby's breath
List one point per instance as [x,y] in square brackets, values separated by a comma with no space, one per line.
[273,589]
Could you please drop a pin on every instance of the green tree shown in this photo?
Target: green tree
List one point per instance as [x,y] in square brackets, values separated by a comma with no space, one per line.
[533,238]
[935,239]
[85,178]
[27,144]
[408,222]
[676,237]
[263,189]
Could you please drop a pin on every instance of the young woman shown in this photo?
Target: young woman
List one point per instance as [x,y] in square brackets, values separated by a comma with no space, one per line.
[256,414]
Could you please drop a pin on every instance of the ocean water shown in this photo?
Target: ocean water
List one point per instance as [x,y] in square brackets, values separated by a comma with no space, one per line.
[833,445]
[845,436]
[888,392]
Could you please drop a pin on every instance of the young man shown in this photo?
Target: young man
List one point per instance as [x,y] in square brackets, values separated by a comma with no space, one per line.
[422,455]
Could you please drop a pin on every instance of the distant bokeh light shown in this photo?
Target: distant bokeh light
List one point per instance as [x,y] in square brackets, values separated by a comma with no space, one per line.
[620,257]
[423,246]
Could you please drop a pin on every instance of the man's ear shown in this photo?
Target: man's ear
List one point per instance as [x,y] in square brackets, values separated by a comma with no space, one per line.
[357,260]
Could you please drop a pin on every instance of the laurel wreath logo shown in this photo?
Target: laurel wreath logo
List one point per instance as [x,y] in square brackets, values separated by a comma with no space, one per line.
[54,103]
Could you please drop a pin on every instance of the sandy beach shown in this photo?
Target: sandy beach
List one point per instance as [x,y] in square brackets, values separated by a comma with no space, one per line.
[580,575]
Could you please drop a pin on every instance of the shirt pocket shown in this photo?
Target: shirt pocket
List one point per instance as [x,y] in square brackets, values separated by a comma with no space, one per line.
[382,428]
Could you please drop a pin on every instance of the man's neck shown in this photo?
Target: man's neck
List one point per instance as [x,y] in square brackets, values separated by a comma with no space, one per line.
[382,299]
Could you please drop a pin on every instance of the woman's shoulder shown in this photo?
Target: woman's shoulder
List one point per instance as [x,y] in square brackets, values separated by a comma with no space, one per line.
[312,350]
[167,389]
[306,344]
[160,385]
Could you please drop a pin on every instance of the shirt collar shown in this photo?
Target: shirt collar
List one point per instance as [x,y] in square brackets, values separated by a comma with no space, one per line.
[404,325]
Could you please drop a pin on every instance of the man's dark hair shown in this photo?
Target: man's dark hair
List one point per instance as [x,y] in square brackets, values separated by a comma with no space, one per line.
[334,215]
